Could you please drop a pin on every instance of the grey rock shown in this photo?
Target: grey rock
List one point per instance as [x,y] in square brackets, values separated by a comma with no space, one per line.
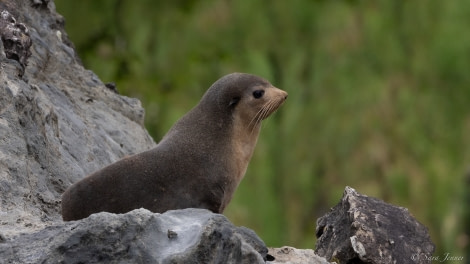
[140,236]
[58,121]
[290,255]
[362,229]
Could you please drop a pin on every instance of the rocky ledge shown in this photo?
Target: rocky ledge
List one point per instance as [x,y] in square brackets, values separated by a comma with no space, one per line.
[140,236]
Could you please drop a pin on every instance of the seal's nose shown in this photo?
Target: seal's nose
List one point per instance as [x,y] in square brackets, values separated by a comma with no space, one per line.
[285,95]
[280,94]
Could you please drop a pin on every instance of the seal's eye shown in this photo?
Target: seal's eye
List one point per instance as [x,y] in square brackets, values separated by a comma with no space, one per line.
[258,94]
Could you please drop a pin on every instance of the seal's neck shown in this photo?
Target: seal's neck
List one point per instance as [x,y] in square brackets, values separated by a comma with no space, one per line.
[241,149]
[244,140]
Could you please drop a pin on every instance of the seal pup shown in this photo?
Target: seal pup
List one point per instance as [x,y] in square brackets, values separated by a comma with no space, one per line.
[198,163]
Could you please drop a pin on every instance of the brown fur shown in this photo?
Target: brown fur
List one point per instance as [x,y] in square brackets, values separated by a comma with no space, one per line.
[198,163]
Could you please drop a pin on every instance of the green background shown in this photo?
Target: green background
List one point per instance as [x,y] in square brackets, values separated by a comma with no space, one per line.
[379,98]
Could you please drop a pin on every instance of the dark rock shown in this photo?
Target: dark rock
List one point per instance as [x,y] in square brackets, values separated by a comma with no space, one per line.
[15,39]
[112,86]
[140,236]
[363,229]
[40,3]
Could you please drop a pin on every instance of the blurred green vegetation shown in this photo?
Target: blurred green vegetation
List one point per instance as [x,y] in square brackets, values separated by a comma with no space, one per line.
[379,97]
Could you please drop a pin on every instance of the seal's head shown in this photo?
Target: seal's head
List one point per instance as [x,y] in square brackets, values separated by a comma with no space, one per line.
[236,104]
[249,99]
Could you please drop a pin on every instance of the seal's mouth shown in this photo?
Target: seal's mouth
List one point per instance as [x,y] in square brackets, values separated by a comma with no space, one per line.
[271,106]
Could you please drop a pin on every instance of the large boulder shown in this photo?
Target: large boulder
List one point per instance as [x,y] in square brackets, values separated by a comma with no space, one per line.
[362,229]
[58,121]
[180,236]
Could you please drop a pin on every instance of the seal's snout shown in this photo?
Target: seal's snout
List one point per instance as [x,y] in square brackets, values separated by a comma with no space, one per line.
[281,94]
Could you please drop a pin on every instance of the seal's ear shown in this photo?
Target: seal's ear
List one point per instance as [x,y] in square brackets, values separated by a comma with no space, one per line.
[234,101]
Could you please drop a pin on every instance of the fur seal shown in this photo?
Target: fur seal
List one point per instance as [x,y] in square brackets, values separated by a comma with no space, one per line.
[198,163]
